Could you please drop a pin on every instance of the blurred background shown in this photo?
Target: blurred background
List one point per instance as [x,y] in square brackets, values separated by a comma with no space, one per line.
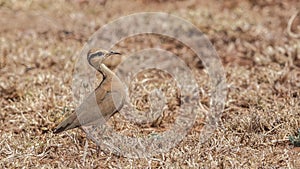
[257,41]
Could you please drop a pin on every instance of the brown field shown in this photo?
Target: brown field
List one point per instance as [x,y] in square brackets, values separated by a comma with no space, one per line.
[40,41]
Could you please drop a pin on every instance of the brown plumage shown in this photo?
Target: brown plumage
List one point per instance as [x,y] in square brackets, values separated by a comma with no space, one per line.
[109,96]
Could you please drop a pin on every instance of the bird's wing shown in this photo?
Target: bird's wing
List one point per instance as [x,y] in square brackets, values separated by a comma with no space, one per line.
[93,111]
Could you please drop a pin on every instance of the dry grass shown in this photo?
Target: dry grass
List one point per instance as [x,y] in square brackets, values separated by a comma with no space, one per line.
[38,48]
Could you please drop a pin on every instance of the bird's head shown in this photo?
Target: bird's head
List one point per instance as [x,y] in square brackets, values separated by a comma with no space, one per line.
[96,57]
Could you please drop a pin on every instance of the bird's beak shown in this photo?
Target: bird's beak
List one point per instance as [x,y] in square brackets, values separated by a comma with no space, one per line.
[114,53]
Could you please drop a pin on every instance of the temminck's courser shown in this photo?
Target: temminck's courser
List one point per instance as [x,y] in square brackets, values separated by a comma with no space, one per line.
[109,96]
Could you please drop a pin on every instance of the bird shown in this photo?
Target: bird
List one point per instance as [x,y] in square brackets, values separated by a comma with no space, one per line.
[109,96]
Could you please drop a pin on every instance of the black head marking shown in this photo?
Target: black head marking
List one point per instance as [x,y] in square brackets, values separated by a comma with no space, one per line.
[92,55]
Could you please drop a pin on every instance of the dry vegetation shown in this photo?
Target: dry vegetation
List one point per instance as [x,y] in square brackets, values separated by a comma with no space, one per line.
[38,47]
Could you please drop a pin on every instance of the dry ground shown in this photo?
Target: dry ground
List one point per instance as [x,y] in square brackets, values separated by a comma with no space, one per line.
[38,47]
